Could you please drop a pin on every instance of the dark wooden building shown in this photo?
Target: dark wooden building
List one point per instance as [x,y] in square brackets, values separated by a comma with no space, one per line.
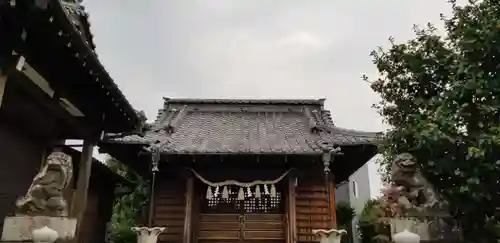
[272,151]
[52,88]
[103,183]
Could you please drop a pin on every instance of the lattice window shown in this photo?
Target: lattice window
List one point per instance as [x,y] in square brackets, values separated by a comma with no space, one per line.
[265,204]
[219,205]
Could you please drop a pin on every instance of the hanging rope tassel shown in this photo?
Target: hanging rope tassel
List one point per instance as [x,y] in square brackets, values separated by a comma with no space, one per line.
[216,192]
[209,193]
[225,193]
[257,191]
[249,192]
[266,190]
[273,190]
[241,194]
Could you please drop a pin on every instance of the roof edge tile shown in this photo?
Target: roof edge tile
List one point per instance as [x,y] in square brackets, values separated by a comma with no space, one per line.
[245,101]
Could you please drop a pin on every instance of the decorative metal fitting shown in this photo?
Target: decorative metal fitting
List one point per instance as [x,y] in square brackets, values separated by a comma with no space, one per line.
[155,158]
[328,156]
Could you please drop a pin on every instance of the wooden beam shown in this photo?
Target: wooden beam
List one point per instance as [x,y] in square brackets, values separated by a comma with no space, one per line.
[3,82]
[52,106]
[292,215]
[188,210]
[82,185]
[332,205]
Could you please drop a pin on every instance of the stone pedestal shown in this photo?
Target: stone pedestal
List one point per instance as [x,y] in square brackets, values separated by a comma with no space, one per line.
[429,229]
[147,235]
[20,228]
[330,235]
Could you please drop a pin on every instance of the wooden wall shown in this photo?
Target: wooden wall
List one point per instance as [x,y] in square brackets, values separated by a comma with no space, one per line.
[311,206]
[307,204]
[99,208]
[20,159]
[169,209]
[91,222]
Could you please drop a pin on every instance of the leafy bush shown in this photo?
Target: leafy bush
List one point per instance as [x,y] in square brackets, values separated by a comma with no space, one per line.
[129,207]
[345,214]
[366,222]
[373,224]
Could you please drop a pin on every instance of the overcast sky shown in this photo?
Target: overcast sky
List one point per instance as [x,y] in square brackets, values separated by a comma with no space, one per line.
[253,49]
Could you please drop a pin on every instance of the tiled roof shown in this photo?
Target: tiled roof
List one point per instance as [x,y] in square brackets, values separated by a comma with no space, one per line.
[80,19]
[189,126]
[72,20]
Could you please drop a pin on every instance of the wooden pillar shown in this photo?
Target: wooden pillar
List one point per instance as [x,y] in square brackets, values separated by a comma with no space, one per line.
[188,210]
[3,82]
[328,157]
[82,185]
[152,196]
[291,213]
[333,213]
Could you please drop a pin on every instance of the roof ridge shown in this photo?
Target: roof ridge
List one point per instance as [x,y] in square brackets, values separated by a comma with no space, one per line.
[312,121]
[346,131]
[175,122]
[245,101]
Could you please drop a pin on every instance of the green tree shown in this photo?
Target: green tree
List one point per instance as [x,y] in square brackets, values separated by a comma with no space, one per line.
[128,209]
[441,97]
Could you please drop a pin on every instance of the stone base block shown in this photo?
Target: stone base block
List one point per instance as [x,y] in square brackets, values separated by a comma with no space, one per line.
[19,228]
[430,229]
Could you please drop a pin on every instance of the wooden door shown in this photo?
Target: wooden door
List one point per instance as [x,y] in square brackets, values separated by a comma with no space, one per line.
[253,220]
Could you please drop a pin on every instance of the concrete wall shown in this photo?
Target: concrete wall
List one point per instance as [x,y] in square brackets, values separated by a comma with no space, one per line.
[363,185]
[356,191]
[359,188]
[342,193]
[359,193]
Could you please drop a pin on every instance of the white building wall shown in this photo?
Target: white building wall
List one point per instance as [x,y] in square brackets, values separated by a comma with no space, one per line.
[364,185]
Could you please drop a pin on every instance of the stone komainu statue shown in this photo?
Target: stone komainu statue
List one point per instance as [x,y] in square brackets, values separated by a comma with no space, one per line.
[417,193]
[420,200]
[45,195]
